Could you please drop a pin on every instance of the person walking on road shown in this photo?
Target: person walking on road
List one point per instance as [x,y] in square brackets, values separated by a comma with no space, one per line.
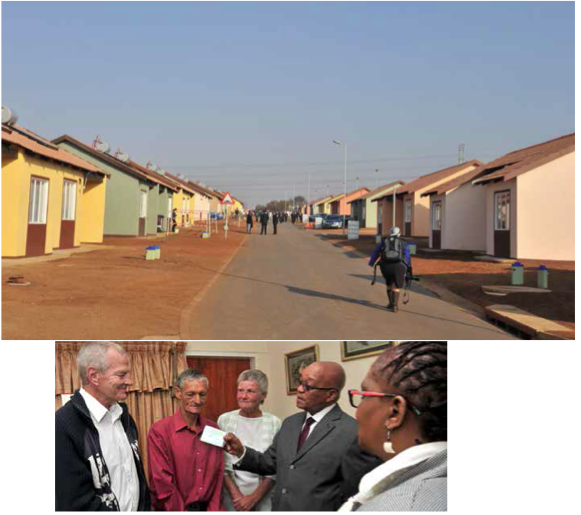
[263,222]
[274,221]
[390,258]
[249,222]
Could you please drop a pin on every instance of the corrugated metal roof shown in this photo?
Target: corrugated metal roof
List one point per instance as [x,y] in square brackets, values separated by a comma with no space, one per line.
[456,182]
[104,157]
[376,191]
[154,176]
[16,135]
[515,163]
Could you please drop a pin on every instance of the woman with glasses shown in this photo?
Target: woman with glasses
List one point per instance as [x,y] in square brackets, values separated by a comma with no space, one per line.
[246,491]
[402,415]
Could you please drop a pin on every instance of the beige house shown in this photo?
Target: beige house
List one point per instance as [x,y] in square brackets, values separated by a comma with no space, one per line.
[412,210]
[458,214]
[530,201]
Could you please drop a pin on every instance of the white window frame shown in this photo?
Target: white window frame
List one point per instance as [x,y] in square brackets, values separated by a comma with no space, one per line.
[169,206]
[408,211]
[437,215]
[69,206]
[142,204]
[38,206]
[502,220]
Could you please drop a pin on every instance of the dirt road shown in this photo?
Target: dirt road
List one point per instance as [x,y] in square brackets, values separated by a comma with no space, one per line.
[295,286]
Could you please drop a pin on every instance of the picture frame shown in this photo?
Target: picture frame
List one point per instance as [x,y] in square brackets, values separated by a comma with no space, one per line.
[363,349]
[295,362]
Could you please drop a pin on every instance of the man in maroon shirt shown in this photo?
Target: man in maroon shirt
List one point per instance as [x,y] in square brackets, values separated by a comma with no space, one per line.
[185,474]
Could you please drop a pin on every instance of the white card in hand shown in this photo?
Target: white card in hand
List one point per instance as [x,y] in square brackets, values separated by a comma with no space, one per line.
[213,436]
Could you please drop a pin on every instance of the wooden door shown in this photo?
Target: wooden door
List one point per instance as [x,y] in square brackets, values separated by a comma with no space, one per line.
[408,218]
[222,373]
[502,224]
[437,225]
[37,214]
[142,212]
[67,240]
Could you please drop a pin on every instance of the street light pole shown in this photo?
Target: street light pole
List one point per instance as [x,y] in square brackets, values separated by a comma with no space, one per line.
[345,183]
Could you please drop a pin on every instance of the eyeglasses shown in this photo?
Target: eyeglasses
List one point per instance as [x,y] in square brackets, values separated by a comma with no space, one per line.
[307,387]
[356,398]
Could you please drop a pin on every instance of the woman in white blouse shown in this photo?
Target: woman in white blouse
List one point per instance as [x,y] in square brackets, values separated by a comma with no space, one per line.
[245,491]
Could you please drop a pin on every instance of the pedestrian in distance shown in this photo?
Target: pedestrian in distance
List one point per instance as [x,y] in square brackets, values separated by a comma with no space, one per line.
[263,222]
[249,222]
[98,465]
[402,411]
[389,256]
[274,221]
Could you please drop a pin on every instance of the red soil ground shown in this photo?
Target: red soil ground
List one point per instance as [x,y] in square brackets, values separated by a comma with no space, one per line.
[113,293]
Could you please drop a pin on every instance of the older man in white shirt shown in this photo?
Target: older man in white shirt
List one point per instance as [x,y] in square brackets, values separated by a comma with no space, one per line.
[98,466]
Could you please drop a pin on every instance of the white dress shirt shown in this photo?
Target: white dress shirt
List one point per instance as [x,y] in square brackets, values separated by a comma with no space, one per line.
[116,450]
[318,417]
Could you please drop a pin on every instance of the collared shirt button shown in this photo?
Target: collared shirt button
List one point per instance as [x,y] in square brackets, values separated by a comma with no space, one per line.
[284,490]
[292,467]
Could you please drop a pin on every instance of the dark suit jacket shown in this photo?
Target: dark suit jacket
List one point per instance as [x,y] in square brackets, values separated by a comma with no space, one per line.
[323,474]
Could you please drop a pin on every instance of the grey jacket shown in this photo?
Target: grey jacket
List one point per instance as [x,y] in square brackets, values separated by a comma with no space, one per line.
[323,474]
[422,487]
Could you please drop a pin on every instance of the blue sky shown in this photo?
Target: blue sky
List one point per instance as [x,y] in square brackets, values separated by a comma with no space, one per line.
[248,96]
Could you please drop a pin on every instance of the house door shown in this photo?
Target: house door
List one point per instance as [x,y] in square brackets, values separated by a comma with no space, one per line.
[502,224]
[142,212]
[408,218]
[437,225]
[37,210]
[68,215]
[222,373]
[380,217]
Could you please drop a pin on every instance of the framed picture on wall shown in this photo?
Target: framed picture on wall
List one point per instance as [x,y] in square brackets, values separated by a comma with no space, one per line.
[363,349]
[295,362]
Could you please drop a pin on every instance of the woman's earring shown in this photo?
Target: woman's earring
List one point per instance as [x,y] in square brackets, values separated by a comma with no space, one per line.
[388,446]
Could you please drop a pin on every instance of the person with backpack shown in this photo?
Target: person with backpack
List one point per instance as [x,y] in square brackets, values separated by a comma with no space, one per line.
[389,256]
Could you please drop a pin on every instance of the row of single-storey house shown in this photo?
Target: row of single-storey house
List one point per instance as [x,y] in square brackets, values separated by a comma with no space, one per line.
[520,205]
[61,193]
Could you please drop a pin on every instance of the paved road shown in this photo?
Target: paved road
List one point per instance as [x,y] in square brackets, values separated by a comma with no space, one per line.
[294,286]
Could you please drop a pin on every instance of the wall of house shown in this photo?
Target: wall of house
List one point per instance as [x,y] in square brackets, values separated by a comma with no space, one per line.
[464,219]
[546,211]
[421,221]
[121,199]
[15,194]
[269,357]
[92,212]
[387,214]
[490,190]
[16,174]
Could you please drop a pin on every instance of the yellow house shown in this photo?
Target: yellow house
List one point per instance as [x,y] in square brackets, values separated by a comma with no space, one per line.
[51,199]
[183,200]
[328,202]
[237,205]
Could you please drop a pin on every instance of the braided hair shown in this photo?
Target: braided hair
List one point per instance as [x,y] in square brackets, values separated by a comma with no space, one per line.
[418,370]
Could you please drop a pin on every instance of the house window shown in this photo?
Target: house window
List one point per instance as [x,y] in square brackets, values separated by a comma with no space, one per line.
[437,216]
[408,211]
[38,201]
[69,200]
[142,204]
[502,211]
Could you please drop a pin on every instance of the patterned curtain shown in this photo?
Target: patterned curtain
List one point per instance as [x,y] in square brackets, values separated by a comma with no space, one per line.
[153,368]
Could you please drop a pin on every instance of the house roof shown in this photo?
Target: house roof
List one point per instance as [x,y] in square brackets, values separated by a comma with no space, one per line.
[154,176]
[526,159]
[319,200]
[182,183]
[19,136]
[456,182]
[113,161]
[426,180]
[377,191]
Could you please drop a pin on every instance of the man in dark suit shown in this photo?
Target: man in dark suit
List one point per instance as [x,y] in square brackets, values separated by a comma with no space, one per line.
[263,222]
[275,221]
[315,455]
